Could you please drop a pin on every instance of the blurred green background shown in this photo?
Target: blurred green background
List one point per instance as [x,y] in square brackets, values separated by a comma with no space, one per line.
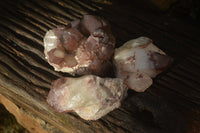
[8,123]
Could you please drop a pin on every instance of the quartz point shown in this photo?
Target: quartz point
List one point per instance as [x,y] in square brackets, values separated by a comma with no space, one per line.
[138,61]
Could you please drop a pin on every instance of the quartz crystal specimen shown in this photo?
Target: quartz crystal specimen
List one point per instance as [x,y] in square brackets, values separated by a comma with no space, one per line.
[84,46]
[139,60]
[91,97]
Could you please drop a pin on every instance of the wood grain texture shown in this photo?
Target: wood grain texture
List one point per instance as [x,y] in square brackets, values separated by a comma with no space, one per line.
[171,104]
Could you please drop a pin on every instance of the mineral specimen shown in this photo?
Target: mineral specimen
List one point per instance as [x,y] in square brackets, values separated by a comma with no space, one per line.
[91,97]
[139,60]
[84,46]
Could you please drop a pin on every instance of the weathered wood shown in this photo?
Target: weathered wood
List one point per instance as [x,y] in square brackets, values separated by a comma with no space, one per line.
[171,104]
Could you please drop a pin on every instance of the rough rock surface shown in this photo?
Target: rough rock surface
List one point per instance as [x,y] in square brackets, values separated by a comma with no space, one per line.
[91,97]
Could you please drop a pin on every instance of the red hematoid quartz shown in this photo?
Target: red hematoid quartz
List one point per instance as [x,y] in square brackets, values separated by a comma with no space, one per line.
[138,61]
[84,46]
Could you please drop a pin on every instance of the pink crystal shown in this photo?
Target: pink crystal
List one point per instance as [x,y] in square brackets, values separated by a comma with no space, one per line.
[139,60]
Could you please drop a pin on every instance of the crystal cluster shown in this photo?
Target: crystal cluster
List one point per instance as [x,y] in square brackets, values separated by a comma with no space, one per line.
[82,47]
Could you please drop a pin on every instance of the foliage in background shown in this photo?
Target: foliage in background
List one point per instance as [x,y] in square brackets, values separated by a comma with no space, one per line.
[8,123]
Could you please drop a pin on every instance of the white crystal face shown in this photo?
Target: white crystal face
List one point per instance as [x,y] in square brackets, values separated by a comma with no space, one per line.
[137,42]
[91,97]
[138,81]
[50,41]
[144,42]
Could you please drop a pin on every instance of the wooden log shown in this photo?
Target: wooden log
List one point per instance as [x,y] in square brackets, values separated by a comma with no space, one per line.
[171,104]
